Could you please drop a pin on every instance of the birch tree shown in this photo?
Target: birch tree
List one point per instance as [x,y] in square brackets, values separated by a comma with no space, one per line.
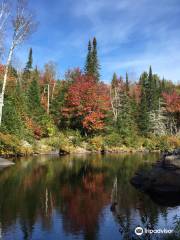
[4,14]
[116,92]
[22,27]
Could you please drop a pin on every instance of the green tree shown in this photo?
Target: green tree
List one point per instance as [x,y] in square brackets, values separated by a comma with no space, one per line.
[95,62]
[28,69]
[144,104]
[125,120]
[127,83]
[30,61]
[12,121]
[33,96]
[88,65]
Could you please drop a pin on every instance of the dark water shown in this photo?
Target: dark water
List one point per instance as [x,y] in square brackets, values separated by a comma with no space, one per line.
[70,197]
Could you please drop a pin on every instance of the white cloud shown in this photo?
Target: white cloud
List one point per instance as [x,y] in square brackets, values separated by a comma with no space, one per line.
[116,23]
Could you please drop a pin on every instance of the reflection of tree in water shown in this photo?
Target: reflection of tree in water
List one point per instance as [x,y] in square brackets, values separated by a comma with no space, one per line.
[83,204]
[77,189]
[131,208]
[32,192]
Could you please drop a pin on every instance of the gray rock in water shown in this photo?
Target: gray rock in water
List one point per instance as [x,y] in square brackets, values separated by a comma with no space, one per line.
[5,163]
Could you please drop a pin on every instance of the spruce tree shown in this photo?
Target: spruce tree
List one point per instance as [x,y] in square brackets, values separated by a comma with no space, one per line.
[95,62]
[152,91]
[88,65]
[33,97]
[144,104]
[28,69]
[125,121]
[29,62]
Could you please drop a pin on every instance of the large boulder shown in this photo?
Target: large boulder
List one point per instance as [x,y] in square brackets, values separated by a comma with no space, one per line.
[162,181]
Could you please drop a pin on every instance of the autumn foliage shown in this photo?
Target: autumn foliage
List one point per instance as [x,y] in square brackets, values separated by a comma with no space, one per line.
[87,101]
[172,102]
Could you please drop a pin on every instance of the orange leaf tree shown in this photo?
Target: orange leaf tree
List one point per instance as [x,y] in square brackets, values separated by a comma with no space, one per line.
[87,104]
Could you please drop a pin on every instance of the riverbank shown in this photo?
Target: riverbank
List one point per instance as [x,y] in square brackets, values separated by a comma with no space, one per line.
[68,143]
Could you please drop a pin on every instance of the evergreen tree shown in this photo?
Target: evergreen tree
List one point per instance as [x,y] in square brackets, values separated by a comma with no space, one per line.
[28,69]
[30,61]
[13,113]
[92,66]
[144,104]
[33,95]
[125,121]
[152,91]
[88,64]
[127,83]
[95,62]
[114,81]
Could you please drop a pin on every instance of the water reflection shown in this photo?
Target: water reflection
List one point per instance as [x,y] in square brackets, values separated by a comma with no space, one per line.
[77,197]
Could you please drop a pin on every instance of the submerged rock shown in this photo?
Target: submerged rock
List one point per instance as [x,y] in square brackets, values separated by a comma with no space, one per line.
[162,181]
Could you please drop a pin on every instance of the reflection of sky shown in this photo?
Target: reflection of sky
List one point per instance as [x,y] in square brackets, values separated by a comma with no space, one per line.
[108,227]
[62,218]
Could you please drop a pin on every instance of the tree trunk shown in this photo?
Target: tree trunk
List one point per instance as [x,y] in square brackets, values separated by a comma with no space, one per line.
[5,80]
[48,101]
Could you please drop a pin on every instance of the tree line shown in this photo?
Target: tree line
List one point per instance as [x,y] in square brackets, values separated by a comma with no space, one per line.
[38,105]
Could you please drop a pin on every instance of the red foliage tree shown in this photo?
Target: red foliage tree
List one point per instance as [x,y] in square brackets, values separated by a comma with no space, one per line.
[172,102]
[87,102]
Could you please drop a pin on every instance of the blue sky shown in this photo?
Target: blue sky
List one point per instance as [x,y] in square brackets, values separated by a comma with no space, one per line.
[131,35]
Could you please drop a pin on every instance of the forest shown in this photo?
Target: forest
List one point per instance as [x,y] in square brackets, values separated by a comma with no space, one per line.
[80,112]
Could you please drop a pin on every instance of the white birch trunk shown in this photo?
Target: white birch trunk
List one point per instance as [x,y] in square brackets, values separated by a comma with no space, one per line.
[5,80]
[48,101]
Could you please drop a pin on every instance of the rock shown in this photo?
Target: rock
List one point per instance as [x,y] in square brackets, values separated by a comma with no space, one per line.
[162,181]
[5,163]
[171,159]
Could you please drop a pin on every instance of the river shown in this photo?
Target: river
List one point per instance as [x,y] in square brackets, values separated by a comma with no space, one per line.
[70,197]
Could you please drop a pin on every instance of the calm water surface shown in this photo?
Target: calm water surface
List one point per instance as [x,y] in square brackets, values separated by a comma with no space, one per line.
[51,197]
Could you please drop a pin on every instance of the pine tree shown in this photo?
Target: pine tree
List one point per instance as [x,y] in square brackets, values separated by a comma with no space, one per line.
[88,65]
[95,62]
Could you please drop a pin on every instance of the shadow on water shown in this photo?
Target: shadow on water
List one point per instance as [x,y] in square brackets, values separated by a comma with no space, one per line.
[78,197]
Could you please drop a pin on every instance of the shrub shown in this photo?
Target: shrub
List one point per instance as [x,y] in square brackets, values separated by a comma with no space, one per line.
[9,144]
[96,143]
[174,141]
[113,140]
[74,137]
